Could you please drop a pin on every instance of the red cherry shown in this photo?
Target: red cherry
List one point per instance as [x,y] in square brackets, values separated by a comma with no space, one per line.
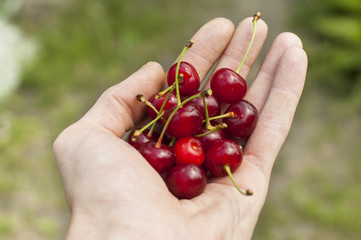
[167,139]
[213,105]
[209,139]
[141,139]
[161,159]
[191,81]
[188,150]
[157,103]
[186,181]
[221,153]
[244,121]
[186,121]
[228,85]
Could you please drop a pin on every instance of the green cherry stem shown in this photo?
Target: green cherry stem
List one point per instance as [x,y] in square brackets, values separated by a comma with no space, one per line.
[171,144]
[175,85]
[142,99]
[247,192]
[255,18]
[205,92]
[170,88]
[138,132]
[185,49]
[213,129]
[226,115]
[208,122]
[161,108]
[160,94]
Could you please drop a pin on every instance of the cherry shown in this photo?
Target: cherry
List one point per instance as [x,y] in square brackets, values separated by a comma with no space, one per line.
[158,102]
[167,139]
[213,105]
[244,120]
[143,137]
[186,181]
[210,138]
[221,153]
[186,121]
[160,158]
[228,85]
[188,150]
[190,79]
[224,157]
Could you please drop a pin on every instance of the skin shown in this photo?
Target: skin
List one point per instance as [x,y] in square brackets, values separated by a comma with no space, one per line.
[113,193]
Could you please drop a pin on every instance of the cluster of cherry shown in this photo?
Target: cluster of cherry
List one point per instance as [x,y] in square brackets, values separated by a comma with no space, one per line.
[195,141]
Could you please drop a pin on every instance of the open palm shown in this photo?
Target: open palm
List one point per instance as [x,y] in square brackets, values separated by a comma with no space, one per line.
[113,192]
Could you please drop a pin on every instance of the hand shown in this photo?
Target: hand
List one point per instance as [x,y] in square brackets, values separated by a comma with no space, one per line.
[112,191]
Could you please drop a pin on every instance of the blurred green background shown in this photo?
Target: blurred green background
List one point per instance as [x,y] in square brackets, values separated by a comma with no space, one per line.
[82,47]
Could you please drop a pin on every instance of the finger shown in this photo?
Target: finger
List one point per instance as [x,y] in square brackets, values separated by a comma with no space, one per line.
[209,43]
[276,117]
[235,51]
[259,90]
[117,109]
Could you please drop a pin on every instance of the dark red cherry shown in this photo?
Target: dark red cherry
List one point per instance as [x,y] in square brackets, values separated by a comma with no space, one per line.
[186,181]
[244,121]
[190,82]
[228,85]
[161,159]
[213,105]
[209,139]
[142,138]
[167,139]
[186,121]
[157,103]
[221,153]
[188,150]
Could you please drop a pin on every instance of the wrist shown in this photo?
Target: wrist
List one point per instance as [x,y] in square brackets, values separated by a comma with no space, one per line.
[83,226]
[86,225]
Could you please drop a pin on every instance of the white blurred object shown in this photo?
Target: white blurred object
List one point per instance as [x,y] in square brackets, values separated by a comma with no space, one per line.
[16,50]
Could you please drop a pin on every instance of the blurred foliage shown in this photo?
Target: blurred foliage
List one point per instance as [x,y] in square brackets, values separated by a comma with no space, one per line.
[7,225]
[334,46]
[86,45]
[47,227]
[314,192]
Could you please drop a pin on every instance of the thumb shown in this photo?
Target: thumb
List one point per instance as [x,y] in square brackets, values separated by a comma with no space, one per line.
[117,109]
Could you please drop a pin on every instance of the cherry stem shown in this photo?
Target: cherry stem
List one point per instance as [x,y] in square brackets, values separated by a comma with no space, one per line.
[150,133]
[142,99]
[162,107]
[226,115]
[138,132]
[171,144]
[254,21]
[185,49]
[247,192]
[160,94]
[213,129]
[205,92]
[170,88]
[208,122]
